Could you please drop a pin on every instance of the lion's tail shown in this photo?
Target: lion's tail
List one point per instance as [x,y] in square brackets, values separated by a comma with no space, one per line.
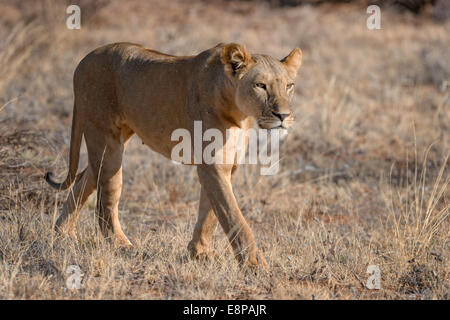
[75,144]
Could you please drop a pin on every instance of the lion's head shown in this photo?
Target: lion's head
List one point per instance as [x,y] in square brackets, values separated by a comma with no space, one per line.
[264,86]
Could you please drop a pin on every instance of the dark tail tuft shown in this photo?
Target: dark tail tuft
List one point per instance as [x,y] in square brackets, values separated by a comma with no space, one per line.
[50,180]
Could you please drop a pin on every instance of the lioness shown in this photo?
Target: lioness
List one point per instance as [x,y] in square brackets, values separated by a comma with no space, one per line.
[123,88]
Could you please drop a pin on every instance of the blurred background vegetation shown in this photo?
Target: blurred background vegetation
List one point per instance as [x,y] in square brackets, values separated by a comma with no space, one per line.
[364,172]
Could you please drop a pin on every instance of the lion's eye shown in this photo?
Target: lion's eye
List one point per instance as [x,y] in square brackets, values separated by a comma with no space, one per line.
[289,86]
[260,85]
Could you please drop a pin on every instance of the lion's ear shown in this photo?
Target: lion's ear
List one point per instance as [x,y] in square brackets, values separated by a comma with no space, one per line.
[236,59]
[293,61]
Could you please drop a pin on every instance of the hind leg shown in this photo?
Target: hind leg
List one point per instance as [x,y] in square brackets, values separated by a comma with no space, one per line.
[105,159]
[109,191]
[83,188]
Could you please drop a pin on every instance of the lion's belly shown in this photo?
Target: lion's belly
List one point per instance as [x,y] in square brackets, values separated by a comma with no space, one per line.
[153,106]
[157,141]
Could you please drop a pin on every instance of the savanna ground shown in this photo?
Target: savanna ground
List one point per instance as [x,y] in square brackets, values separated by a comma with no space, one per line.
[363,178]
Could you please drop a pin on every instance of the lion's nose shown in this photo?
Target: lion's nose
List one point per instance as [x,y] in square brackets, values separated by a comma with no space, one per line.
[281,116]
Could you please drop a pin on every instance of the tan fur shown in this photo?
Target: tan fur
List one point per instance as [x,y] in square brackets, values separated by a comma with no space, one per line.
[122,89]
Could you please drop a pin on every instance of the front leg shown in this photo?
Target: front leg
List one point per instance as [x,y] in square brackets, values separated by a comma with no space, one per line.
[200,245]
[216,182]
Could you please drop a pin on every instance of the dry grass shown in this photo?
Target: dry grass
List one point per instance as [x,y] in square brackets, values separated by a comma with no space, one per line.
[364,173]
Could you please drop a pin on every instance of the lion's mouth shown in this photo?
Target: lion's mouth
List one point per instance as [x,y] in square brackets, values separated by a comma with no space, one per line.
[270,122]
[272,125]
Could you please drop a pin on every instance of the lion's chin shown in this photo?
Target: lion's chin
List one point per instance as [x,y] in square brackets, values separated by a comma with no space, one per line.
[283,130]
